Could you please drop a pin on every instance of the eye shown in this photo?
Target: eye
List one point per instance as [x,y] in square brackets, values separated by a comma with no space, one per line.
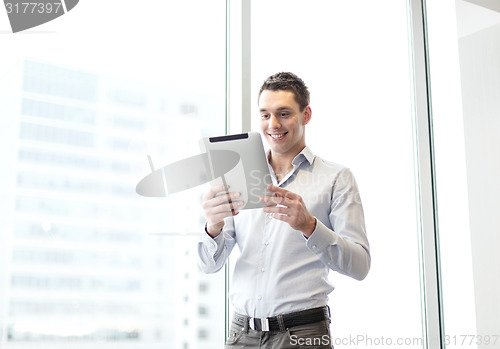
[264,116]
[284,115]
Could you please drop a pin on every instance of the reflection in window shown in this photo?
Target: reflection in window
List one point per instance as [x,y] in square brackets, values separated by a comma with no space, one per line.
[87,258]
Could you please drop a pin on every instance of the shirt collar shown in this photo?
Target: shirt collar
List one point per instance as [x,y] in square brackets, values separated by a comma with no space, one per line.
[305,154]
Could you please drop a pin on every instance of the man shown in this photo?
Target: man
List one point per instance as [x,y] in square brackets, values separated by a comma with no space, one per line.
[314,223]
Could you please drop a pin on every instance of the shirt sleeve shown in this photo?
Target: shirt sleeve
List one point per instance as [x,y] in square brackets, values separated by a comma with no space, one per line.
[214,252]
[344,249]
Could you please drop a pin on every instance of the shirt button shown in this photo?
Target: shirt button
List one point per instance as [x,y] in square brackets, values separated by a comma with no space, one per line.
[259,298]
[262,269]
[266,243]
[313,247]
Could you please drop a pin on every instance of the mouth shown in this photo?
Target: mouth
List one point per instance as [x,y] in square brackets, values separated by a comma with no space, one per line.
[277,136]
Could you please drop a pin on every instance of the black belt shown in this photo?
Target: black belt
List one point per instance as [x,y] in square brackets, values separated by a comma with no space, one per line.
[298,318]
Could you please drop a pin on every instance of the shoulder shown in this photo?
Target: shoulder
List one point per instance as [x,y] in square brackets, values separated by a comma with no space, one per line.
[333,170]
[330,166]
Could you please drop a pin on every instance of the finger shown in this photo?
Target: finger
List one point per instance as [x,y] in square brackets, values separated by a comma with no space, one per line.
[215,190]
[227,207]
[220,217]
[277,200]
[281,217]
[215,206]
[272,188]
[218,213]
[277,209]
[281,191]
[222,199]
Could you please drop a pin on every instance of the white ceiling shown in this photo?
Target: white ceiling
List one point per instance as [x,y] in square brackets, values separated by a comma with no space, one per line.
[472,17]
[490,4]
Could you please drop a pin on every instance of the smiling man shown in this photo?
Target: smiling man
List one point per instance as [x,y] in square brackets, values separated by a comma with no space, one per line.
[313,223]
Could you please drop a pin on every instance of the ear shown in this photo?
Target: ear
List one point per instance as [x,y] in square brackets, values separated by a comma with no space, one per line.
[307,115]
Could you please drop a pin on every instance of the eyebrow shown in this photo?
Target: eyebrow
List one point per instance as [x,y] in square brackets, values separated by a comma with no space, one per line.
[279,109]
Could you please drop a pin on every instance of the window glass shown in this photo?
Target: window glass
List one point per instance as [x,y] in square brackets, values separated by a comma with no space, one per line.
[84,99]
[354,58]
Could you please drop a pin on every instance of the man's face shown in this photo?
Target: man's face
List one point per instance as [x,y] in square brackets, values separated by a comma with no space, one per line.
[282,121]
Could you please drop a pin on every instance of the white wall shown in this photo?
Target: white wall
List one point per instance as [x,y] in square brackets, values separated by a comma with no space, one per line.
[480,74]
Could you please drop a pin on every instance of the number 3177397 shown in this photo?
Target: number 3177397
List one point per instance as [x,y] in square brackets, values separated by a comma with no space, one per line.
[34,7]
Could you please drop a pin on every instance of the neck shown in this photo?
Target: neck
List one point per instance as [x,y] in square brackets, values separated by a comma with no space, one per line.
[281,163]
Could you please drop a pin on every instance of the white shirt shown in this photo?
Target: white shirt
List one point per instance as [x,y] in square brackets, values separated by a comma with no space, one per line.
[279,270]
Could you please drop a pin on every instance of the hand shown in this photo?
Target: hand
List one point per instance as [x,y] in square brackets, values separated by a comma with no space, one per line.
[219,207]
[292,210]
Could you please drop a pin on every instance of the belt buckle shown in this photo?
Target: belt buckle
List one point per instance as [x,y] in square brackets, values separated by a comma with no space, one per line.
[259,324]
[264,324]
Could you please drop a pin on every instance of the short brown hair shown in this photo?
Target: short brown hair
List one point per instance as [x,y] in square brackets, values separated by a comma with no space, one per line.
[288,82]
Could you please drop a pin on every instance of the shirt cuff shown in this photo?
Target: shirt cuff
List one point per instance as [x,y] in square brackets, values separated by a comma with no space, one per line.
[321,238]
[214,244]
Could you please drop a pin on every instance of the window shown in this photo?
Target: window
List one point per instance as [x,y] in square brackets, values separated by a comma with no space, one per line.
[357,67]
[84,260]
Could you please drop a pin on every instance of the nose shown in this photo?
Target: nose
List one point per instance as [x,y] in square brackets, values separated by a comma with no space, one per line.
[274,122]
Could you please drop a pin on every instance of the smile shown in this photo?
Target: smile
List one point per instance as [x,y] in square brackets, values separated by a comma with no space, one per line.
[277,136]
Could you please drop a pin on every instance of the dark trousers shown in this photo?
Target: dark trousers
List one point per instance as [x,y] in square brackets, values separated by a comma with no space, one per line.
[311,336]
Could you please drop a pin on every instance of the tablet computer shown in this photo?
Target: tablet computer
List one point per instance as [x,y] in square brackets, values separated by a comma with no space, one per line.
[250,176]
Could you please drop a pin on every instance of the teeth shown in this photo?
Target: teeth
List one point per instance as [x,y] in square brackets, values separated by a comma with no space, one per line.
[277,136]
